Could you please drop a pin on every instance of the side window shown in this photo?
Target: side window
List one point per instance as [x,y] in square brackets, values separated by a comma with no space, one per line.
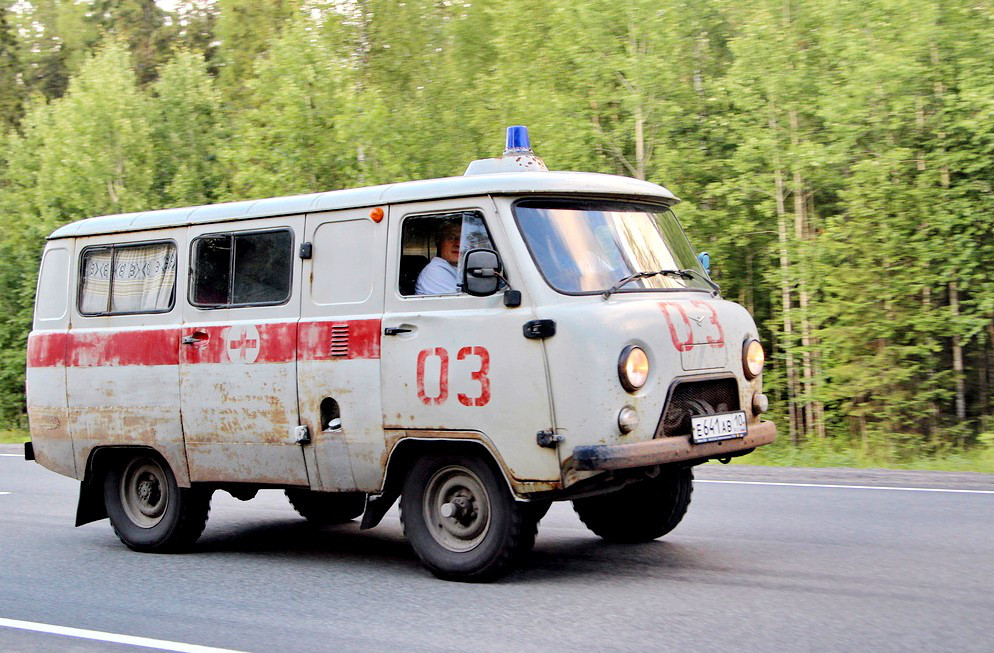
[431,251]
[242,269]
[125,279]
[52,300]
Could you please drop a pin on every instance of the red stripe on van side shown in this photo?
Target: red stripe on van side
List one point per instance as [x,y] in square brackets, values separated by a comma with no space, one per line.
[47,349]
[314,340]
[112,349]
[279,342]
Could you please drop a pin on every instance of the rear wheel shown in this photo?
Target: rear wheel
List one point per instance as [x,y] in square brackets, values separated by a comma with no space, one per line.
[461,519]
[640,512]
[326,508]
[148,511]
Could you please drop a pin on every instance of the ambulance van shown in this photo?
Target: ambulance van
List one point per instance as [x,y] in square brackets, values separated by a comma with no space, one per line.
[476,347]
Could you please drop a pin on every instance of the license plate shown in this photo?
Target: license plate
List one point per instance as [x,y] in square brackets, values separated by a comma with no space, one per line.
[723,426]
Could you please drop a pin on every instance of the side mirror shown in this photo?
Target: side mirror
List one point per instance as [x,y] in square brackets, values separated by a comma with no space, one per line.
[705,261]
[481,272]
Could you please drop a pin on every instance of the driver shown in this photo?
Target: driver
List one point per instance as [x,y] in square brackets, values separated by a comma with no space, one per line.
[439,276]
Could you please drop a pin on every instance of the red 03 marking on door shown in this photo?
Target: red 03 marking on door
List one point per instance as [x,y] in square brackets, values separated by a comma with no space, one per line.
[480,376]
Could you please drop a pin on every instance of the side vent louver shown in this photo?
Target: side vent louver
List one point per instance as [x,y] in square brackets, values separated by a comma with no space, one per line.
[339,339]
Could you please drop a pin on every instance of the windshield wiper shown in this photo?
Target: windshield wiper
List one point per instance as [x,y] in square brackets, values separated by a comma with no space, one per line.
[703,277]
[685,274]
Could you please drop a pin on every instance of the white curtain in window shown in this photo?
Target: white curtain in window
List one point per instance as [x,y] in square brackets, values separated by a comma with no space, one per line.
[144,277]
[96,281]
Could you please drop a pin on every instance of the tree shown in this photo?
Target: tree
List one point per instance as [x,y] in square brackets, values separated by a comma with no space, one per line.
[293,139]
[139,23]
[11,88]
[188,131]
[245,29]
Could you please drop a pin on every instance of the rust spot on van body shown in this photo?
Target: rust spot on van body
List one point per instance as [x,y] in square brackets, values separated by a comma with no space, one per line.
[50,438]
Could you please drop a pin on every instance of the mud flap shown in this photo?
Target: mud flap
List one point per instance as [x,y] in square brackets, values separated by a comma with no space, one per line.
[377,506]
[91,503]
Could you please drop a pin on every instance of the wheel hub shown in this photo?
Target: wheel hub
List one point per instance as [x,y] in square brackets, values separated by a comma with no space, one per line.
[149,495]
[143,492]
[457,508]
[460,509]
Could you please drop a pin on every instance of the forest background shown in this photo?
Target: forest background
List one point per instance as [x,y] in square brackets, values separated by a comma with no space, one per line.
[835,157]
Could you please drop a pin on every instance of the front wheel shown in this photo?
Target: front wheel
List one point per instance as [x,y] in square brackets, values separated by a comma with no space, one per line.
[148,511]
[640,512]
[461,519]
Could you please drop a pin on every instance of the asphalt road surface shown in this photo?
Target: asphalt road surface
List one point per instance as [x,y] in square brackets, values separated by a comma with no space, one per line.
[766,560]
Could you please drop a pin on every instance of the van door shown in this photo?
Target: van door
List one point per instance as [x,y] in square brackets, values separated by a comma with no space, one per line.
[238,353]
[453,363]
[338,364]
[48,410]
[122,349]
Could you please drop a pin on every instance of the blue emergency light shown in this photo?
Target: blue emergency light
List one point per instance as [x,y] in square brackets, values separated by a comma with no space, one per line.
[517,157]
[517,140]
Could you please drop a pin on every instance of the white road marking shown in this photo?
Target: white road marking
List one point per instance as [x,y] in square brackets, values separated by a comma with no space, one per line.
[145,642]
[852,487]
[4,492]
[12,455]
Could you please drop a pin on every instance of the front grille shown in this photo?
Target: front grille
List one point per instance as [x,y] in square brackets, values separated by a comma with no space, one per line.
[692,398]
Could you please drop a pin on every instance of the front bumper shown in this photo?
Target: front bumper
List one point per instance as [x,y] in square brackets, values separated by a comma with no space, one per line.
[667,450]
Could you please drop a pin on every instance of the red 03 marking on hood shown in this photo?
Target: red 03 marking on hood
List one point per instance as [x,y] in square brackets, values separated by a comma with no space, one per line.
[687,331]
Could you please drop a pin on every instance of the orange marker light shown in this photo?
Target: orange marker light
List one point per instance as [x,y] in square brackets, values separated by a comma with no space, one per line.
[376,215]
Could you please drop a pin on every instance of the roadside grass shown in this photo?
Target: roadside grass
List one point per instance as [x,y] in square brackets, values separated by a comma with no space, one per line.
[14,436]
[830,453]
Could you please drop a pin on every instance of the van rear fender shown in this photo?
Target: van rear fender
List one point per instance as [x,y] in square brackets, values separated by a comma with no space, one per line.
[91,506]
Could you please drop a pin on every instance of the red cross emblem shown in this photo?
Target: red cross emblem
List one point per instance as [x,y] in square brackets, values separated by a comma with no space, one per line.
[242,343]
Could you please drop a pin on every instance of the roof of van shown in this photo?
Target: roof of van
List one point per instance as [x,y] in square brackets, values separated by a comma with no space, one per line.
[508,183]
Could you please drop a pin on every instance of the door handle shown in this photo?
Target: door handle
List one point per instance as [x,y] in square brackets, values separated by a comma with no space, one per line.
[195,337]
[393,331]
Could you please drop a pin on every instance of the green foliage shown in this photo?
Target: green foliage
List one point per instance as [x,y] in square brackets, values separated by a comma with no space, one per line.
[245,29]
[140,24]
[188,130]
[10,68]
[293,139]
[836,158]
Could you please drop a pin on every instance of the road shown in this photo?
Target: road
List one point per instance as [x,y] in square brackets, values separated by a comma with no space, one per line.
[755,566]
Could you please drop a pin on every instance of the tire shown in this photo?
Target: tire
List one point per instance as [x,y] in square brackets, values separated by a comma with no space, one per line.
[327,508]
[486,532]
[148,511]
[640,512]
[538,509]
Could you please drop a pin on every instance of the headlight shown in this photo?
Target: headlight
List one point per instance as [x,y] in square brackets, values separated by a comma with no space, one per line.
[633,368]
[752,358]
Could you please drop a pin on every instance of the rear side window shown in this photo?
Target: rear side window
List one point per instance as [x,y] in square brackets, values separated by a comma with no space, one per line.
[243,269]
[52,300]
[127,279]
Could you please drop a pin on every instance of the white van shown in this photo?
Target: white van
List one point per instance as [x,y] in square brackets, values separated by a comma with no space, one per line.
[477,346]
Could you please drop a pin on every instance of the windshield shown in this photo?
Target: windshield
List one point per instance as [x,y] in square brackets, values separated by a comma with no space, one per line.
[588,247]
